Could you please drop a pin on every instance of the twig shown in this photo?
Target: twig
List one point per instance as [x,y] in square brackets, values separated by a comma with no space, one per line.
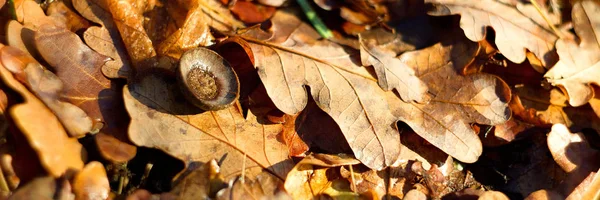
[537,7]
[315,20]
[352,179]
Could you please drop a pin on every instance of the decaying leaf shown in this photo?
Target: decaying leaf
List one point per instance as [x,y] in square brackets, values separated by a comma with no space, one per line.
[57,152]
[392,182]
[392,73]
[579,66]
[161,118]
[308,179]
[91,182]
[515,32]
[80,67]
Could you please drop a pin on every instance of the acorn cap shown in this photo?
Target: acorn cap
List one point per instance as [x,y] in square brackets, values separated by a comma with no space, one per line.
[207,80]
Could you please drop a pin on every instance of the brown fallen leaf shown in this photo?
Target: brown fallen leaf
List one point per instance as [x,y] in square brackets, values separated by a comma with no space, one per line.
[456,100]
[515,32]
[392,73]
[544,108]
[266,186]
[395,181]
[347,92]
[309,179]
[574,155]
[57,152]
[137,42]
[162,118]
[91,182]
[579,66]
[216,14]
[79,68]
[104,39]
[43,188]
[46,86]
[194,32]
[544,195]
[20,37]
[252,13]
[62,13]
[202,183]
[287,56]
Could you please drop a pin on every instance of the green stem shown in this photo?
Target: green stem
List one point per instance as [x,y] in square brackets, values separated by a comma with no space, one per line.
[315,20]
[12,9]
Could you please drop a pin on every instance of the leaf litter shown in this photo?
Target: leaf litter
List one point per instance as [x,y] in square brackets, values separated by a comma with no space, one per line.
[335,99]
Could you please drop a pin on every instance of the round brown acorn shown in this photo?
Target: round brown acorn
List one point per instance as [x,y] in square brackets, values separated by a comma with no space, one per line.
[207,80]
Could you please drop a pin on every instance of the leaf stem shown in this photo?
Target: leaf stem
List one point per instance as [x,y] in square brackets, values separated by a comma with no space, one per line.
[315,20]
[537,7]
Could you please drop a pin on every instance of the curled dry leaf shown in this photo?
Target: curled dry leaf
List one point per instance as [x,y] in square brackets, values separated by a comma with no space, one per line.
[91,182]
[456,100]
[79,67]
[579,66]
[57,152]
[216,14]
[162,118]
[308,179]
[130,24]
[392,73]
[515,32]
[105,39]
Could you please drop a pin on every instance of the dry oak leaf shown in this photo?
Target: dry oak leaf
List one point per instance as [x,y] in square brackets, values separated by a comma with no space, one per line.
[137,42]
[46,86]
[79,68]
[193,32]
[392,73]
[579,66]
[161,118]
[308,179]
[456,100]
[573,153]
[46,135]
[104,39]
[544,108]
[91,182]
[202,183]
[515,32]
[264,186]
[288,59]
